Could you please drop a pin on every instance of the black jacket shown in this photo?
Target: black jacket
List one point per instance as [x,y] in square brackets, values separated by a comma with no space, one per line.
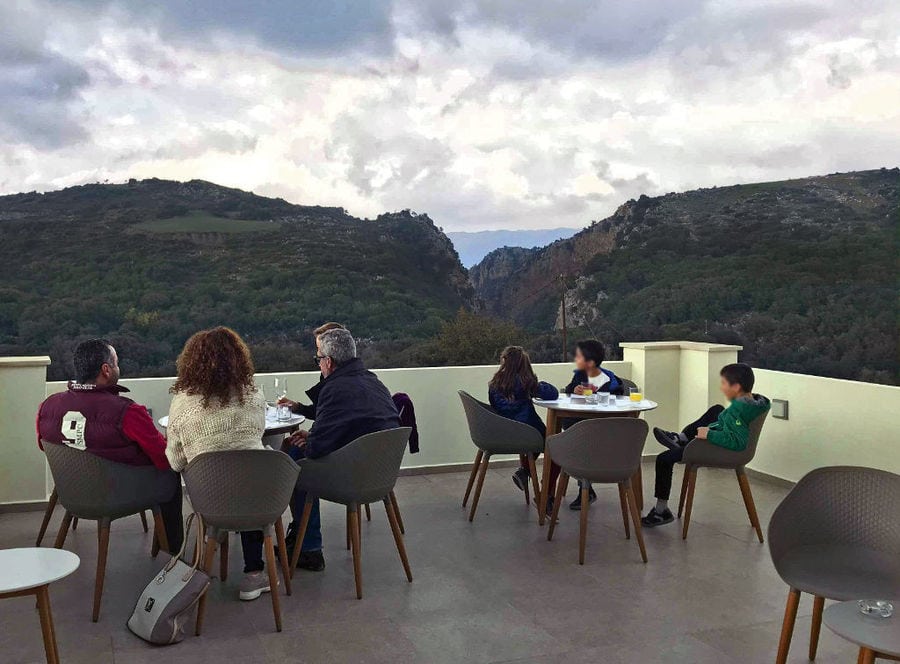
[309,412]
[351,402]
[614,386]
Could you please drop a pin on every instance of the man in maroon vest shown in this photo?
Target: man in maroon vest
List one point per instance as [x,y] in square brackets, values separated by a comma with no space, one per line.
[92,415]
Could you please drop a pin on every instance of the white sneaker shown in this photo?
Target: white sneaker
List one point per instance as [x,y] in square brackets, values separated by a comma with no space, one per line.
[253,585]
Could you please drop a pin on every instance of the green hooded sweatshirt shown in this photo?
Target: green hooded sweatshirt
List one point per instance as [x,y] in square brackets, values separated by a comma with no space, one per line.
[730,429]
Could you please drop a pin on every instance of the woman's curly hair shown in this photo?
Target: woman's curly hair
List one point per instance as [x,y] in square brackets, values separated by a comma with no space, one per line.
[215,364]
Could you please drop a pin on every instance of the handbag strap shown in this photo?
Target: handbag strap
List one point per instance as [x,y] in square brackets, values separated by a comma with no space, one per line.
[197,549]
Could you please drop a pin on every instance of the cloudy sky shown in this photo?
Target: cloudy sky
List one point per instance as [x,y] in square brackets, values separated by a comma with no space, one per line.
[483,114]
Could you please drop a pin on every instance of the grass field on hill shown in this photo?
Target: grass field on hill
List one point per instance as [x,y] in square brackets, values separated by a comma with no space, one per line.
[198,221]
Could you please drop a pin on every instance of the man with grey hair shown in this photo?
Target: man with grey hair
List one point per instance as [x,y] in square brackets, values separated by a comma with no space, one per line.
[351,403]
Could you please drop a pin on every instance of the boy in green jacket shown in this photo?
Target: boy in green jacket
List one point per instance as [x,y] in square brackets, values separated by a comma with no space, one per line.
[725,427]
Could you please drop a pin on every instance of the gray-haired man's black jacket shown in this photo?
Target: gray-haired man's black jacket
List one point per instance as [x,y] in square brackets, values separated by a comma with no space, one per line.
[351,402]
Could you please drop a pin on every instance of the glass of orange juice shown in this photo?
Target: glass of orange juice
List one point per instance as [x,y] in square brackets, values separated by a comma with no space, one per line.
[635,394]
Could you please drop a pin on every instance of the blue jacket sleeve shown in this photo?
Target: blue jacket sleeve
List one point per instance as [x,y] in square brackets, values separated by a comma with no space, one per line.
[547,392]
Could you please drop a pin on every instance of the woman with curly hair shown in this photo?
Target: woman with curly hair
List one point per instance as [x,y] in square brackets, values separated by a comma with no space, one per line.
[217,407]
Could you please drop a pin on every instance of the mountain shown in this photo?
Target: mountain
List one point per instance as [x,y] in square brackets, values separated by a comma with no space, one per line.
[802,273]
[147,263]
[474,246]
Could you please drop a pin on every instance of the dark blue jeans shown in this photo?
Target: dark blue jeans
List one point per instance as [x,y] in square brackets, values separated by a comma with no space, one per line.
[252,541]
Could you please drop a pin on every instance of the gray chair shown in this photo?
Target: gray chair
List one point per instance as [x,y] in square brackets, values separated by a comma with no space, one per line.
[93,488]
[836,535]
[701,453]
[494,434]
[601,451]
[243,490]
[363,471]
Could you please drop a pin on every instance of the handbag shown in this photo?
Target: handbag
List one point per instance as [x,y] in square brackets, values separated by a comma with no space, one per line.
[167,602]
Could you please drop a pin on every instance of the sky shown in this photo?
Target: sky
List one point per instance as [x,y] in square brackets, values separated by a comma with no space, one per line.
[484,115]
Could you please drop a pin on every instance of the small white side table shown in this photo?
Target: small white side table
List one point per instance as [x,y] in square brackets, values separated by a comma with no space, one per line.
[30,572]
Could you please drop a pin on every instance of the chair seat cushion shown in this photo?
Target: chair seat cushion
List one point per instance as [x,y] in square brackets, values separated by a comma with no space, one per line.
[842,572]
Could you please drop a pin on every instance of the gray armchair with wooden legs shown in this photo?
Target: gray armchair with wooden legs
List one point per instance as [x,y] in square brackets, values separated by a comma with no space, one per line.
[494,434]
[600,451]
[701,453]
[48,514]
[836,536]
[363,471]
[93,488]
[243,490]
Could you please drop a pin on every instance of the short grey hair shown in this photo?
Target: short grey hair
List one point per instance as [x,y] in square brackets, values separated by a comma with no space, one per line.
[338,344]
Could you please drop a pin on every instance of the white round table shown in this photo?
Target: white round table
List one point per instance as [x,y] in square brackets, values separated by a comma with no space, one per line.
[573,406]
[30,571]
[273,426]
[876,637]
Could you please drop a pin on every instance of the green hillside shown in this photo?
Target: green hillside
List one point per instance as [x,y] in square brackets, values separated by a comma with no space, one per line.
[148,263]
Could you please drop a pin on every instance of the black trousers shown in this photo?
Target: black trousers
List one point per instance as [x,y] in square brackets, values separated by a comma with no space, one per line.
[665,462]
[170,508]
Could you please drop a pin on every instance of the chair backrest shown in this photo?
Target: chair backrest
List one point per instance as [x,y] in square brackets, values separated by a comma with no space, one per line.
[704,453]
[627,383]
[241,489]
[496,434]
[91,487]
[363,471]
[600,450]
[846,506]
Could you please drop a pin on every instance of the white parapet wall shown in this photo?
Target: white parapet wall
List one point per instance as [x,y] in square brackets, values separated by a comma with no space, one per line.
[830,422]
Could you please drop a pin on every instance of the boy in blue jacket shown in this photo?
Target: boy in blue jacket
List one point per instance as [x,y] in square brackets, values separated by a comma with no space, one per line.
[510,393]
[725,427]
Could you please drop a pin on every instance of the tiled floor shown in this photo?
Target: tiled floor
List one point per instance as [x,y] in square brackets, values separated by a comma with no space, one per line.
[491,591]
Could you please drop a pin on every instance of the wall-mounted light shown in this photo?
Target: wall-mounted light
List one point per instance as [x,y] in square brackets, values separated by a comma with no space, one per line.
[780,409]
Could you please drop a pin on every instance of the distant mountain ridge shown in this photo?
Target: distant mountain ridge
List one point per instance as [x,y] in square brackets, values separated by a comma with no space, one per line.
[149,262]
[473,246]
[803,273]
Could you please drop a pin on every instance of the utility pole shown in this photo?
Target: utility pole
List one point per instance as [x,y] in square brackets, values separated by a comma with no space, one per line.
[565,331]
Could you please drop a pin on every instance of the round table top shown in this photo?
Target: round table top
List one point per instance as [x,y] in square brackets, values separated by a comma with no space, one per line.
[273,425]
[879,634]
[577,404]
[23,569]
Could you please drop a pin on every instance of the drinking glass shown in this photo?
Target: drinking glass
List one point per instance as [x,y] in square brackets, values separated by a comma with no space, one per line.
[604,397]
[635,394]
[876,607]
[282,411]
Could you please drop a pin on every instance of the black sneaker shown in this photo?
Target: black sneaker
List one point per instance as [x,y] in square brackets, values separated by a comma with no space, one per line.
[311,561]
[576,504]
[655,518]
[667,438]
[521,477]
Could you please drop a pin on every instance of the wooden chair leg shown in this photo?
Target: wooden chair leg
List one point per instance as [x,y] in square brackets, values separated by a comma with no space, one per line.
[301,532]
[102,551]
[269,549]
[637,486]
[63,530]
[396,506]
[685,479]
[357,554]
[282,555]
[623,501]
[867,656]
[398,537]
[631,499]
[223,558]
[527,497]
[475,468]
[689,501]
[481,473]
[582,534]
[535,482]
[144,520]
[562,483]
[749,504]
[787,628]
[348,532]
[861,658]
[159,531]
[359,522]
[368,512]
[48,513]
[208,558]
[816,627]
[74,524]
[47,630]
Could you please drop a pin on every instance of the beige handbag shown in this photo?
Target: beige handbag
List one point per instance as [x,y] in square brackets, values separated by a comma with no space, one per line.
[168,600]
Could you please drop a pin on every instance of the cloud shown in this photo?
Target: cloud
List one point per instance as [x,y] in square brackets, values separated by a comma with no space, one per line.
[547,116]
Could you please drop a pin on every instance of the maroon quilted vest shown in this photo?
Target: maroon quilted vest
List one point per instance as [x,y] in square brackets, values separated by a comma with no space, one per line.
[90,417]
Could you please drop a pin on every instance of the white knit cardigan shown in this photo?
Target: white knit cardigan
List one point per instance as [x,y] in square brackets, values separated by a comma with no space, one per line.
[194,429]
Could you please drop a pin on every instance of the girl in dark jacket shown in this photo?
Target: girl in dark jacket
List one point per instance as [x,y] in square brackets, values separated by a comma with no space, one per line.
[511,391]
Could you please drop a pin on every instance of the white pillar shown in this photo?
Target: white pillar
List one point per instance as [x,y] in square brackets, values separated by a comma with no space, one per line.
[23,383]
